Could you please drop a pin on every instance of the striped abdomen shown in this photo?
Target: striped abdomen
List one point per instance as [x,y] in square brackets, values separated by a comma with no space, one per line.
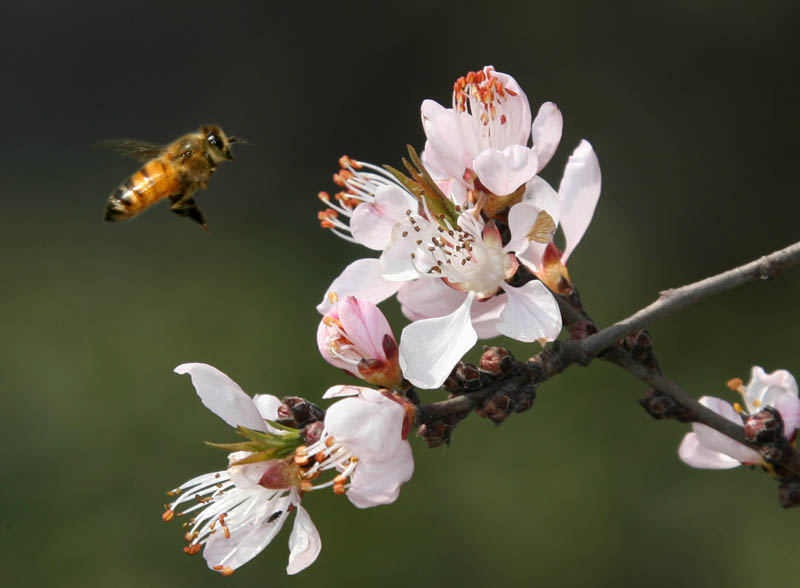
[156,180]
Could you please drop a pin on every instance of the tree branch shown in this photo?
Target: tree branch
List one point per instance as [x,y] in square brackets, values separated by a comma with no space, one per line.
[557,356]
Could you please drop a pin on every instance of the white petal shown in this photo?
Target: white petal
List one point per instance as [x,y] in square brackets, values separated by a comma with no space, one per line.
[530,314]
[716,441]
[223,396]
[362,279]
[579,191]
[376,483]
[521,219]
[696,455]
[247,541]
[430,348]
[444,150]
[342,391]
[789,407]
[485,315]
[428,298]
[504,171]
[540,194]
[246,476]
[370,425]
[765,389]
[402,257]
[267,405]
[372,222]
[547,132]
[304,543]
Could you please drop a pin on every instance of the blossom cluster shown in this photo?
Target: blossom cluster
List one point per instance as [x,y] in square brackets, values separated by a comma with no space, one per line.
[465,239]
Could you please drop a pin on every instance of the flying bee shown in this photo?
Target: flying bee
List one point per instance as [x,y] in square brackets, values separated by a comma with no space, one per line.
[174,171]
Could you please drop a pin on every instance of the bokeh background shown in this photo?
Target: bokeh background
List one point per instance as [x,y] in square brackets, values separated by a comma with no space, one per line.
[692,108]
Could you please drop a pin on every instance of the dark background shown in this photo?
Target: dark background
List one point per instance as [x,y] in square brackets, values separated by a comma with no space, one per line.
[692,108]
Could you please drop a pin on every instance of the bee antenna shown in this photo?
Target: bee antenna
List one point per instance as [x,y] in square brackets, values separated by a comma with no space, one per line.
[239,140]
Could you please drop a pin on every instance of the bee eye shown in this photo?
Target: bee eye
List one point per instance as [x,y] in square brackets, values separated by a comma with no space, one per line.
[214,140]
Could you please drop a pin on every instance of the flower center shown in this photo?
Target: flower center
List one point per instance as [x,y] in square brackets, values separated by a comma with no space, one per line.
[483,108]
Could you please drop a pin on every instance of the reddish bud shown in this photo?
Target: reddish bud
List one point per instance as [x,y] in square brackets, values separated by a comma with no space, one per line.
[497,361]
[766,426]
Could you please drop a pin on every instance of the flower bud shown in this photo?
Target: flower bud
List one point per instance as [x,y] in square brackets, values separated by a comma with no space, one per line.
[766,426]
[356,337]
[468,376]
[497,408]
[582,329]
[300,410]
[497,362]
[662,406]
[435,434]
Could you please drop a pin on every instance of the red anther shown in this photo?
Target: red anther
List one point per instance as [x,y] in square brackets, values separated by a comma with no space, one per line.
[337,489]
[493,111]
[324,196]
[503,119]
[217,568]
[226,571]
[344,161]
[471,76]
[511,92]
[168,515]
[190,536]
[192,549]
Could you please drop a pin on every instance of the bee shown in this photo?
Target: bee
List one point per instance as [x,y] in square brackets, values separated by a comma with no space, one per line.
[174,171]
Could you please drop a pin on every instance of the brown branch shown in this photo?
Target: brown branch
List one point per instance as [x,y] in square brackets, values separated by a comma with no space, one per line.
[557,356]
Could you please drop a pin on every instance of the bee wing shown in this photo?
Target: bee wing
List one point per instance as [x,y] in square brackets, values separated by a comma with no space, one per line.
[139,150]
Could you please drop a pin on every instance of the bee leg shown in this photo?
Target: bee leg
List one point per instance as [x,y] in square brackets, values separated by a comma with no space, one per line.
[188,208]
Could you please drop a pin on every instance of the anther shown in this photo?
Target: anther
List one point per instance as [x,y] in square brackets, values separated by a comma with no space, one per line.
[192,549]
[226,571]
[329,442]
[333,297]
[324,196]
[735,384]
[167,515]
[306,486]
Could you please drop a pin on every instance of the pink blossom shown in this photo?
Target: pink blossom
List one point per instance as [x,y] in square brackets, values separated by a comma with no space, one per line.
[356,337]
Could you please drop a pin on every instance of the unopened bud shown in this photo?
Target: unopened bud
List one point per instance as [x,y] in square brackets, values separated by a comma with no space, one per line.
[313,432]
[468,376]
[497,361]
[582,329]
[525,398]
[497,408]
[789,493]
[766,426]
[302,411]
[435,434]
[661,406]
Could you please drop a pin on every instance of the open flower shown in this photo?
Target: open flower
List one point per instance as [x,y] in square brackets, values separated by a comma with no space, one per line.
[571,208]
[237,512]
[484,136]
[707,448]
[355,336]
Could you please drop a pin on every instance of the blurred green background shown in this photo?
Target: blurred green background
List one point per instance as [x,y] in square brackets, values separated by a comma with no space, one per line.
[692,109]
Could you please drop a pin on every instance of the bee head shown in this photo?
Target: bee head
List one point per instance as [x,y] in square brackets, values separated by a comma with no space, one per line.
[218,143]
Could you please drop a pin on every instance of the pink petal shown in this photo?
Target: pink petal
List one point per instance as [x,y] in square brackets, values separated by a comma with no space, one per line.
[370,425]
[376,483]
[223,396]
[342,391]
[304,543]
[372,223]
[696,455]
[504,171]
[579,191]
[531,313]
[716,441]
[547,132]
[521,219]
[362,278]
[765,389]
[541,195]
[403,259]
[430,348]
[364,325]
[789,407]
[444,151]
[247,476]
[485,315]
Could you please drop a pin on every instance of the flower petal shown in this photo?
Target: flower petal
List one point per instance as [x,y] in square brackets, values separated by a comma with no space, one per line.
[428,298]
[765,389]
[521,219]
[369,424]
[504,171]
[485,314]
[693,453]
[430,348]
[716,441]
[547,132]
[248,540]
[246,476]
[372,222]
[579,191]
[403,259]
[304,543]
[365,326]
[362,279]
[531,313]
[540,194]
[376,483]
[789,407]
[223,396]
[342,391]
[444,149]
